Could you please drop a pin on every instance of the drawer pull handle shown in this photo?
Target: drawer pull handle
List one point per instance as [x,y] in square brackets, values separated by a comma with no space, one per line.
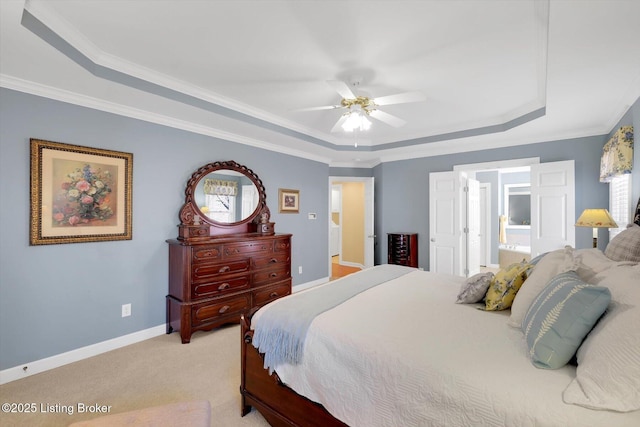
[273,260]
[273,294]
[223,309]
[224,269]
[224,286]
[273,275]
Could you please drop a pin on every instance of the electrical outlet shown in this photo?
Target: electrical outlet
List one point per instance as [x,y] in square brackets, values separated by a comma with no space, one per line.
[300,270]
[126,310]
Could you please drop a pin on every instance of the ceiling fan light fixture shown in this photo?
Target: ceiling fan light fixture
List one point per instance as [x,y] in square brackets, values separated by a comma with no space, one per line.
[356,120]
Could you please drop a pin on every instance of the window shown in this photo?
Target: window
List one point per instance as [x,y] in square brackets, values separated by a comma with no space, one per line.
[620,202]
[221,207]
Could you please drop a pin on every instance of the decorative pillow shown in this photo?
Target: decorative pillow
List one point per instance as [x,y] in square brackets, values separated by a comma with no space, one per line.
[625,246]
[608,373]
[505,286]
[474,288]
[534,262]
[560,317]
[552,264]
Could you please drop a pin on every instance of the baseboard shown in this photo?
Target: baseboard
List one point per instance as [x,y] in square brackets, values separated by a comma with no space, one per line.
[352,264]
[27,369]
[308,285]
[38,366]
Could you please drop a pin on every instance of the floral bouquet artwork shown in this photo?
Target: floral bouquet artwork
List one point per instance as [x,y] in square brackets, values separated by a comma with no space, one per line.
[84,194]
[79,194]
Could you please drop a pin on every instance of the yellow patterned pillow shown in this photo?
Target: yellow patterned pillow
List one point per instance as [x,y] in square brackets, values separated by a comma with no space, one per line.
[505,285]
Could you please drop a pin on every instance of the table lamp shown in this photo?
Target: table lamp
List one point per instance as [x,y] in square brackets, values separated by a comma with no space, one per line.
[596,218]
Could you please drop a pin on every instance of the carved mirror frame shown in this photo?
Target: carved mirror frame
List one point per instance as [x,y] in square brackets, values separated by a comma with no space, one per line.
[196,225]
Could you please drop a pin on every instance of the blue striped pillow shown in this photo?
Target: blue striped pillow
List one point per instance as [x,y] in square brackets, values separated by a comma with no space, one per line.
[560,317]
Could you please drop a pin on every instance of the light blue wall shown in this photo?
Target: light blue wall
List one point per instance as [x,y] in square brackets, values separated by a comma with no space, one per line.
[57,298]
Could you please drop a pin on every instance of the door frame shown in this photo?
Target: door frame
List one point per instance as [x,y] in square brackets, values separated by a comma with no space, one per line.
[369,232]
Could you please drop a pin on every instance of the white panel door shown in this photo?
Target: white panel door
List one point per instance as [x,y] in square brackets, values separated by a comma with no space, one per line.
[446,210]
[552,206]
[474,251]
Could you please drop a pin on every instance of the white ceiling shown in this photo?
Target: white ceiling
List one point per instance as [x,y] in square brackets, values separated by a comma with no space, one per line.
[493,73]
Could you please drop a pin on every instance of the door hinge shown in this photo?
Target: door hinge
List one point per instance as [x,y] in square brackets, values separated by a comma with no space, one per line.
[466,230]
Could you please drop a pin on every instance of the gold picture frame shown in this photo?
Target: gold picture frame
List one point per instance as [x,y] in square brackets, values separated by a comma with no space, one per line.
[288,200]
[79,194]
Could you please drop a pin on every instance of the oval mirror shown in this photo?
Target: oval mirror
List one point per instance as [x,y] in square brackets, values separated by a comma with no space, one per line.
[226,196]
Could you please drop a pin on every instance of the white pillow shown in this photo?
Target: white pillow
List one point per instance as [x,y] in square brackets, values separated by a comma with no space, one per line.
[591,262]
[552,264]
[608,373]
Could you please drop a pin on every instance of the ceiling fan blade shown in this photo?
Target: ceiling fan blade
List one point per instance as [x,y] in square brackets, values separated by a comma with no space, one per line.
[342,88]
[400,98]
[387,118]
[325,107]
[338,126]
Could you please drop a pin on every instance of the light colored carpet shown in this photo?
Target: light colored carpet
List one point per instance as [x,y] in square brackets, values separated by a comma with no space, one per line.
[154,372]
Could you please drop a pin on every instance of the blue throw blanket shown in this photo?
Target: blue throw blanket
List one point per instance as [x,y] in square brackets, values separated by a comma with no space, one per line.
[282,328]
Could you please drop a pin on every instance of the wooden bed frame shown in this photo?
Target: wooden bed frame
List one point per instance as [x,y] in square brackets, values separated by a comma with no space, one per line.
[278,404]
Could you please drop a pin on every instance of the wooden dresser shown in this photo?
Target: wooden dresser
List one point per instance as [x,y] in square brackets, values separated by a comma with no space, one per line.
[214,281]
[227,258]
[402,249]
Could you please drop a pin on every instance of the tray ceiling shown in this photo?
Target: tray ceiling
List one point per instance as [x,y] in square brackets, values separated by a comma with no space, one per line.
[493,73]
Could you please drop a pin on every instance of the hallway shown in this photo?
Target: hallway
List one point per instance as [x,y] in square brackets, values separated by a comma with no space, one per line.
[338,271]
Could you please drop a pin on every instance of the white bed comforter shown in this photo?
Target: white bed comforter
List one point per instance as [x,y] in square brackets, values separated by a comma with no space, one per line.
[404,354]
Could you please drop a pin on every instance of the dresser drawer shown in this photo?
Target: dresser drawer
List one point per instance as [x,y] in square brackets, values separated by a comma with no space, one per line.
[220,287]
[282,245]
[272,275]
[271,261]
[252,248]
[219,308]
[206,253]
[207,272]
[270,293]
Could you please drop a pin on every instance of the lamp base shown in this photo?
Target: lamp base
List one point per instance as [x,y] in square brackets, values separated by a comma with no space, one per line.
[595,242]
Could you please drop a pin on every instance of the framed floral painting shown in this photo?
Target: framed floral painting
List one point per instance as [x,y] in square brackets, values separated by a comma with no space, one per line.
[289,201]
[79,194]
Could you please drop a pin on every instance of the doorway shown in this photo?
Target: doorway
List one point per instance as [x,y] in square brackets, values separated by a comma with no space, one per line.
[351,238]
[552,212]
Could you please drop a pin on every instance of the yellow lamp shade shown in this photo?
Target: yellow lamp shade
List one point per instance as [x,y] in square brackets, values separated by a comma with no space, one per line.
[599,218]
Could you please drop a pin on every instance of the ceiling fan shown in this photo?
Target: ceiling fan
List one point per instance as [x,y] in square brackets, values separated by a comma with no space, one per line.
[358,108]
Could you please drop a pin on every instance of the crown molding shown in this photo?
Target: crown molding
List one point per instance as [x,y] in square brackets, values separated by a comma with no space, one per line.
[38,89]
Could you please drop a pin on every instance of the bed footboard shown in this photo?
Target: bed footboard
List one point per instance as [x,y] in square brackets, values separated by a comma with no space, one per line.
[278,404]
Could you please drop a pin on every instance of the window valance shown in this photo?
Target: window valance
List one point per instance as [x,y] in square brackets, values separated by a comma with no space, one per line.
[617,154]
[220,187]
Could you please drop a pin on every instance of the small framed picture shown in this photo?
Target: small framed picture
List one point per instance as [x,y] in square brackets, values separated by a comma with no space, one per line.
[79,194]
[288,200]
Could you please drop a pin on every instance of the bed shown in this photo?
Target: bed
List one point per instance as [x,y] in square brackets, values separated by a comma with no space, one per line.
[408,352]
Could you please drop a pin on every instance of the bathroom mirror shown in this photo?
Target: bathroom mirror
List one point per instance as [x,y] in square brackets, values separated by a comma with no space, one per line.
[517,205]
